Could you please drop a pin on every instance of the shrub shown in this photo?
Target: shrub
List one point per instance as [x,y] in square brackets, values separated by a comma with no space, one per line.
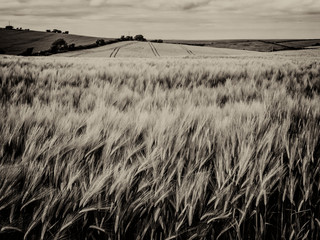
[100,42]
[27,52]
[56,31]
[71,46]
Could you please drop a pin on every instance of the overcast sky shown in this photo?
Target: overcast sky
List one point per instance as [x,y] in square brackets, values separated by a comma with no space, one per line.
[169,19]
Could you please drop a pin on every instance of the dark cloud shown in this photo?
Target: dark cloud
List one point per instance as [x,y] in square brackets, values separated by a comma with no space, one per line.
[195,4]
[315,12]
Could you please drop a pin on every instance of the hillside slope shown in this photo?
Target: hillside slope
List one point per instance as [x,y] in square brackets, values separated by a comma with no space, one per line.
[153,50]
[14,42]
[253,44]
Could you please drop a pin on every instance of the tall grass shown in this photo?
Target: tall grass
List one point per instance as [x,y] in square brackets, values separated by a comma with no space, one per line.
[222,148]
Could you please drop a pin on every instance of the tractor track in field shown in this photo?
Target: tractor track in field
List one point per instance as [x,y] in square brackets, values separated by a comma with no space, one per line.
[154,50]
[116,50]
[113,52]
[187,50]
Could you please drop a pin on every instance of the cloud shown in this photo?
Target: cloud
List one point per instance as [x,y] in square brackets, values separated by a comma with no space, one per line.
[194,4]
[253,6]
[153,4]
[204,9]
[176,4]
[171,16]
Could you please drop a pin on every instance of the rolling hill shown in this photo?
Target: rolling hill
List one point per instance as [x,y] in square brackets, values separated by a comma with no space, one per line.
[153,50]
[254,45]
[14,42]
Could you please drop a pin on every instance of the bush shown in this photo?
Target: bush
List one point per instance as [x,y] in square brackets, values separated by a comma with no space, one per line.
[157,40]
[126,38]
[27,52]
[100,42]
[54,49]
[56,31]
[71,46]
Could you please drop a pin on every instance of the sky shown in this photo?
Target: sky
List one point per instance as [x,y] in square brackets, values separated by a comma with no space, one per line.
[169,19]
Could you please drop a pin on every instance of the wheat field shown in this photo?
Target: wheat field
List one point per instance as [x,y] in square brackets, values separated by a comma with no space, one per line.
[135,49]
[167,148]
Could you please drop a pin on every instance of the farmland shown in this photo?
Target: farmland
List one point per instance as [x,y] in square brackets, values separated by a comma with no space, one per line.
[260,45]
[203,146]
[149,49]
[14,42]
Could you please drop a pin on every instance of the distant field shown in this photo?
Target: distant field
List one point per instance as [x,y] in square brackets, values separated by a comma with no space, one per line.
[253,45]
[148,49]
[222,147]
[15,42]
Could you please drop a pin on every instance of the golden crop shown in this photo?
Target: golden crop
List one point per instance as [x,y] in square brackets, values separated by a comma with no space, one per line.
[168,148]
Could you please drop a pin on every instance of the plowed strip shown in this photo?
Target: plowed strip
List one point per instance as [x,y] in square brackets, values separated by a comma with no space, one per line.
[154,50]
[117,49]
[188,51]
[114,50]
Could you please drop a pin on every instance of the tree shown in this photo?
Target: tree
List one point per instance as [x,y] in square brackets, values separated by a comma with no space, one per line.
[139,37]
[58,45]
